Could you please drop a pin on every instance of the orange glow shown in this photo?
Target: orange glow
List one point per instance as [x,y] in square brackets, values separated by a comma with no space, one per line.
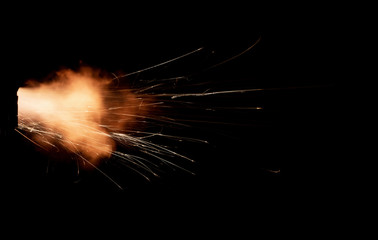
[73,107]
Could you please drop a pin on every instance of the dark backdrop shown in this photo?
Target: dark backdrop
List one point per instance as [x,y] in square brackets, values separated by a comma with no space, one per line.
[286,150]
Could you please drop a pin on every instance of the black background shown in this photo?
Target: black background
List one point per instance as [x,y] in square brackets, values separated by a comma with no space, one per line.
[294,134]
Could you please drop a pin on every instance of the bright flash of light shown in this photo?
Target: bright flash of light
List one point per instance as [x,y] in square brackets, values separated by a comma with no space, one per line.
[83,114]
[70,109]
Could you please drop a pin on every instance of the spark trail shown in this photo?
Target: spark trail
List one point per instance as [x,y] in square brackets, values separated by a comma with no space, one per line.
[89,116]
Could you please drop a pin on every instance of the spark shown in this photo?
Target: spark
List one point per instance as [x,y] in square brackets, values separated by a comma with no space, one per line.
[237,55]
[87,114]
[174,96]
[81,113]
[29,139]
[160,64]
